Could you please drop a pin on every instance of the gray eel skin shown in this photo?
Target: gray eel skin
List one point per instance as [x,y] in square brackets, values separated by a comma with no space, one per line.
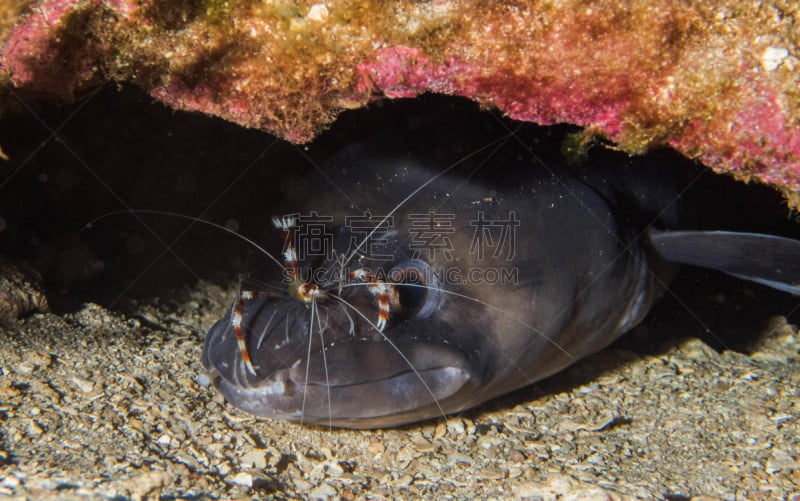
[501,270]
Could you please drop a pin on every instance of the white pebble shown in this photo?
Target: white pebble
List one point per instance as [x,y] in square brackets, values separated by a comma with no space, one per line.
[257,458]
[243,478]
[203,380]
[164,441]
[83,384]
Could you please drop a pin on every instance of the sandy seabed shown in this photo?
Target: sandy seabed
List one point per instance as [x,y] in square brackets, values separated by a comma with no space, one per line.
[98,405]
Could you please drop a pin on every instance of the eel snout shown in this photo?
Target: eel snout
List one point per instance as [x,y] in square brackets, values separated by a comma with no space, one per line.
[354,379]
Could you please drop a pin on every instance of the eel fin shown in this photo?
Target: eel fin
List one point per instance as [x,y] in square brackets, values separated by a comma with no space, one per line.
[766,259]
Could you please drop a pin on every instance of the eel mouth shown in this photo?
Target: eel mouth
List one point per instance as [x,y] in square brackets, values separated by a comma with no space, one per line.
[334,367]
[357,383]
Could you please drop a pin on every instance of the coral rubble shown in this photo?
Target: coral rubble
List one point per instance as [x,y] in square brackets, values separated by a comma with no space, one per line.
[716,80]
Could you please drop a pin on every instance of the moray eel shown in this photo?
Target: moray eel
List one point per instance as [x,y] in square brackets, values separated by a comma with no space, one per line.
[412,287]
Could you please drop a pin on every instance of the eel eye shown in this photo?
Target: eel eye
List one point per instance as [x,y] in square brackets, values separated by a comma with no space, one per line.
[417,288]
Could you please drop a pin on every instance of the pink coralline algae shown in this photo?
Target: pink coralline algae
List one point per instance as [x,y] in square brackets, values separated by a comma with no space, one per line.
[717,81]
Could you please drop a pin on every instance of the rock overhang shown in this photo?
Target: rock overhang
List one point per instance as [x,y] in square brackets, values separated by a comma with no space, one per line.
[716,81]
